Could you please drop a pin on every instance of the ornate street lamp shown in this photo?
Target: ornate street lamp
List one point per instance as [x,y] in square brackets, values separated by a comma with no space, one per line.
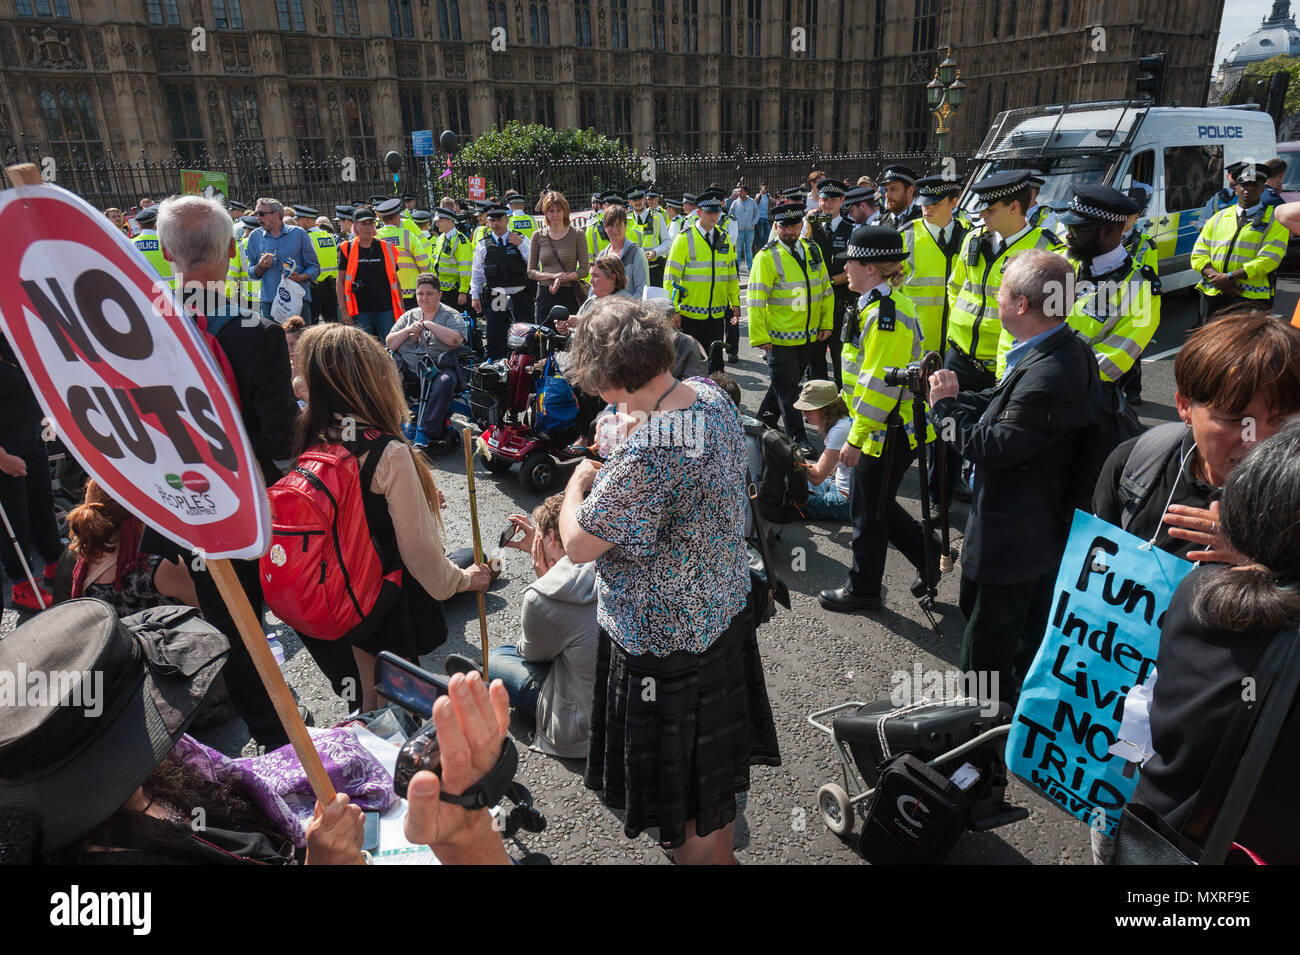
[944,95]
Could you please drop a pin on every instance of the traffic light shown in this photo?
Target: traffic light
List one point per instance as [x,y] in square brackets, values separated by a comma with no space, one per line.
[1151,76]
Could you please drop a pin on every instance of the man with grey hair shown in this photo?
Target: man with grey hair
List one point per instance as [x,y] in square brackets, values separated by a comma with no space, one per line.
[280,250]
[1034,442]
[197,238]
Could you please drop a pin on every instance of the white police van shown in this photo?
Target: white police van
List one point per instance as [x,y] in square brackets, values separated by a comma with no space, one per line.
[1180,152]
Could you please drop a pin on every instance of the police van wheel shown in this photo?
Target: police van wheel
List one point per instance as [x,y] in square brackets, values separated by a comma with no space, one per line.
[537,473]
[837,811]
[495,462]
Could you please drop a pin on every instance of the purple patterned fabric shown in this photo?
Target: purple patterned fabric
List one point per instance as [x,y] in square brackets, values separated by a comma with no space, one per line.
[277,783]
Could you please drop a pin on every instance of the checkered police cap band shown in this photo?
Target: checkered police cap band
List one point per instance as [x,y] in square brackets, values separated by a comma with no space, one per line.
[897,174]
[940,189]
[993,195]
[1092,212]
[791,215]
[862,252]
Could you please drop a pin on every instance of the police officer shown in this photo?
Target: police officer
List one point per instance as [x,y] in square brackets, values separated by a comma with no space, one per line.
[1117,305]
[1143,250]
[412,255]
[831,233]
[452,256]
[147,242]
[498,277]
[520,221]
[324,301]
[881,331]
[654,232]
[597,238]
[898,183]
[701,276]
[1240,249]
[791,312]
[343,216]
[857,205]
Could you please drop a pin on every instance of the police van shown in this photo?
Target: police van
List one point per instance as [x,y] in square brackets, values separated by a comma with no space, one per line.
[1179,152]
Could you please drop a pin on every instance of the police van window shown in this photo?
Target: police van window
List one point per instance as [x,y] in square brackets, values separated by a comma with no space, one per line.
[1143,168]
[1192,175]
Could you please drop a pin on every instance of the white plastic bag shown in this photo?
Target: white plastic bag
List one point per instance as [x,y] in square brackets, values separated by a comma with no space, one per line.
[288,301]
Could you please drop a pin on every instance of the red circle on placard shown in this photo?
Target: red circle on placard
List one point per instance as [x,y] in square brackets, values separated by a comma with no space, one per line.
[60,216]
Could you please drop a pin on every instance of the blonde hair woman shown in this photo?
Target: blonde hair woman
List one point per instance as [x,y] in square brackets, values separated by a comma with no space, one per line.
[354,392]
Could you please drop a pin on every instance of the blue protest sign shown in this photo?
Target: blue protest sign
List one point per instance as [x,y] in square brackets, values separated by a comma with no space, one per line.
[422,142]
[1111,595]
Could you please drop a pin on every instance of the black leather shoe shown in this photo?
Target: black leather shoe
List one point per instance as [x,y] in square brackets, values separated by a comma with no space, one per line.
[455,663]
[918,587]
[841,601]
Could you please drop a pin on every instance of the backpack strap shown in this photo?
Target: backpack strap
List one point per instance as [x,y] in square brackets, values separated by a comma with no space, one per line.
[373,444]
[1146,463]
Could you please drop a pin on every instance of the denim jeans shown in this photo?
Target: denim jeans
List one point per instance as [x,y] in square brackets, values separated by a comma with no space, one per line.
[266,310]
[826,503]
[378,324]
[744,248]
[523,679]
[762,229]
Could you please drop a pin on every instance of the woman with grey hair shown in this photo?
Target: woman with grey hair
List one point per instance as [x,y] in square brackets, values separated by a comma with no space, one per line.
[663,517]
[1221,631]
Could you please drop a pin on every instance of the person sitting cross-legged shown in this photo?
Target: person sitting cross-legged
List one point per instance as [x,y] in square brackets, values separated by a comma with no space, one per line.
[550,672]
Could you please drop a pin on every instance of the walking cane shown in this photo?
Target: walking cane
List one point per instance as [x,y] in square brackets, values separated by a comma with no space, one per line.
[468,440]
[22,558]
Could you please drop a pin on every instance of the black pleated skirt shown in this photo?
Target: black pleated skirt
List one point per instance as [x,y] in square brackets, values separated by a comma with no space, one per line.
[673,737]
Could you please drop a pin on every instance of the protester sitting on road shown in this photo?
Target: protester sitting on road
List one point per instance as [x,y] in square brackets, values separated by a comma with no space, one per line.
[111,567]
[1237,382]
[121,787]
[664,522]
[691,362]
[550,671]
[829,481]
[1216,639]
[608,277]
[352,381]
[431,331]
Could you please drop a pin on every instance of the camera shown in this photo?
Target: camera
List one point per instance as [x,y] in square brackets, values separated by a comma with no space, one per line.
[358,284]
[909,377]
[418,753]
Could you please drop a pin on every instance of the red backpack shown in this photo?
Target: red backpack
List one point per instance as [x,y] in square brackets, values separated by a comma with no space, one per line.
[323,575]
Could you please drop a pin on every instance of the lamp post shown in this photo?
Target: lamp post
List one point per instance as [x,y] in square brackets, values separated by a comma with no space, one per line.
[944,95]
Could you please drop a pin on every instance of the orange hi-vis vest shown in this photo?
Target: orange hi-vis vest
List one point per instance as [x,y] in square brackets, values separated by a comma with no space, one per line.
[348,256]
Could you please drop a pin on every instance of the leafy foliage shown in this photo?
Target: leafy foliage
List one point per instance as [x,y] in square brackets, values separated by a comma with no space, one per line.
[1287,64]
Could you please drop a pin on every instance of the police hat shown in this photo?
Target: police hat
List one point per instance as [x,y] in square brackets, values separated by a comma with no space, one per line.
[513,196]
[1098,204]
[496,212]
[831,189]
[857,194]
[374,199]
[389,207]
[713,194]
[249,221]
[147,215]
[636,192]
[930,189]
[421,216]
[796,192]
[344,212]
[651,194]
[364,214]
[613,196]
[709,203]
[1140,193]
[239,206]
[442,213]
[788,212]
[1000,185]
[1250,172]
[1036,179]
[897,173]
[690,198]
[674,204]
[874,243]
[302,210]
[407,197]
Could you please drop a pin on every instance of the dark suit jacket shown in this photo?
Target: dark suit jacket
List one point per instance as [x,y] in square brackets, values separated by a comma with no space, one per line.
[1033,440]
[259,356]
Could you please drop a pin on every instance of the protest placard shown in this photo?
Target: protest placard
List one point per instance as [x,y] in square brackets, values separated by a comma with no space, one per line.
[1111,595]
[130,387]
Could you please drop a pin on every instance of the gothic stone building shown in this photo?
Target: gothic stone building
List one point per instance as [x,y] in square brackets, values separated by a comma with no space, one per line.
[311,78]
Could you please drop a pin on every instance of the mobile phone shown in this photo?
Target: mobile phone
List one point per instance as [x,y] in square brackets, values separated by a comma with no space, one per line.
[370,838]
[411,687]
[510,535]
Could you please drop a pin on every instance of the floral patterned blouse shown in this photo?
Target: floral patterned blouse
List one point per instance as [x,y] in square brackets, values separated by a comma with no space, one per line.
[672,502]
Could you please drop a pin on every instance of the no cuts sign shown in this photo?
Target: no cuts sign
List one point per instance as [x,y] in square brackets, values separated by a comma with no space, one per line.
[126,377]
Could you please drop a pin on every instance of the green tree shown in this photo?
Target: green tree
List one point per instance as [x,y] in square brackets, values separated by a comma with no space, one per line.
[529,158]
[1287,64]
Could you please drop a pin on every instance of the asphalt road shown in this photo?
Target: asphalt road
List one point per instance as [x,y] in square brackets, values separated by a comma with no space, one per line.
[812,659]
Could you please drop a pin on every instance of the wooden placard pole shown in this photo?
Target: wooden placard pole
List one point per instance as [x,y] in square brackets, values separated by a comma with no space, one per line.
[468,440]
